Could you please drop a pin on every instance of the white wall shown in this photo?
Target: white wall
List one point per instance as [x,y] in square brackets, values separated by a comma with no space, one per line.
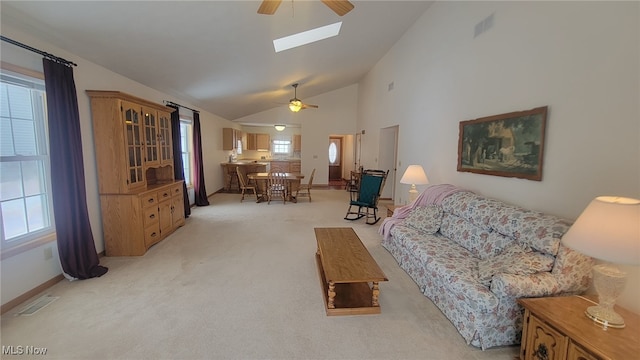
[579,58]
[27,270]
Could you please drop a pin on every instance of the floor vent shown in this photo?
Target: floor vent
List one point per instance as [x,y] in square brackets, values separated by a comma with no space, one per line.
[37,305]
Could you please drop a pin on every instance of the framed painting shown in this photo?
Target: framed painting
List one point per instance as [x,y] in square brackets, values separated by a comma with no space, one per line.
[509,145]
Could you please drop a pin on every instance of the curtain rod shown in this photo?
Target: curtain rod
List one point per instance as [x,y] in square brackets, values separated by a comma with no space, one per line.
[171,103]
[45,54]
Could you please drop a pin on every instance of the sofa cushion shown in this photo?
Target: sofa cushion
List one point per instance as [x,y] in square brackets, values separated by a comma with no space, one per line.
[540,231]
[425,218]
[518,259]
[472,207]
[481,242]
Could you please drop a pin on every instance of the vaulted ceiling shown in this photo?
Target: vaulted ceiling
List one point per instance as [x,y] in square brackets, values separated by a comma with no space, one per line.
[219,55]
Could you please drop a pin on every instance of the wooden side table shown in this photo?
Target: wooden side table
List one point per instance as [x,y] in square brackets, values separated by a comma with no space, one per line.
[391,208]
[557,328]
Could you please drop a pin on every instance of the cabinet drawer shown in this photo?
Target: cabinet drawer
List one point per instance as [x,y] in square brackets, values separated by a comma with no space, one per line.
[295,167]
[578,353]
[176,189]
[544,342]
[152,235]
[149,199]
[150,215]
[164,194]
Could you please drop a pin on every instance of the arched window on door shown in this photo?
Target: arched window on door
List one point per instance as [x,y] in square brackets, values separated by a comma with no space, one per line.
[334,151]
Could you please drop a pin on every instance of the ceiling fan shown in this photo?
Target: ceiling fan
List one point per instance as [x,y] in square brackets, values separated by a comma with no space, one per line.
[340,7]
[296,104]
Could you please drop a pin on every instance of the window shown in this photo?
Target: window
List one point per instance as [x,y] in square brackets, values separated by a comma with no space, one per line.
[281,146]
[239,147]
[186,147]
[26,211]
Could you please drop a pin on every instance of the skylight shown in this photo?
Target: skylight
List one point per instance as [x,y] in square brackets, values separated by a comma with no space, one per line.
[307,37]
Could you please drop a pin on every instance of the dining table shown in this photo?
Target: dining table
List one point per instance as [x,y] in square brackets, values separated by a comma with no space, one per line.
[260,178]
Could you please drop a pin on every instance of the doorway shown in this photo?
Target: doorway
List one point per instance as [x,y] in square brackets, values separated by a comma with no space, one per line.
[335,159]
[387,158]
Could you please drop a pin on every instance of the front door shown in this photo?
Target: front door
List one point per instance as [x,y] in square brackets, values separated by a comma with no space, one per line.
[335,157]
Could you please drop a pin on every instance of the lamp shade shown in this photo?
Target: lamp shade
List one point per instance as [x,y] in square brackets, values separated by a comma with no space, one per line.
[280,127]
[414,175]
[608,229]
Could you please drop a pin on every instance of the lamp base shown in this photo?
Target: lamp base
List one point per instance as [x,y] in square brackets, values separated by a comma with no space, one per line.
[609,282]
[605,317]
[413,193]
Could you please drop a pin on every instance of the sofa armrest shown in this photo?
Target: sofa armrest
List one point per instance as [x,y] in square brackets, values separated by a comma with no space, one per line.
[517,286]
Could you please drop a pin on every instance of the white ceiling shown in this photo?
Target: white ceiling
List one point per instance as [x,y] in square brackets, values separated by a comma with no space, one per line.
[218,55]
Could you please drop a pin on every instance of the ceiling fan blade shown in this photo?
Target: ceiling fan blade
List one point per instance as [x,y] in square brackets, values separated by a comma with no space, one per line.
[269,7]
[306,106]
[340,7]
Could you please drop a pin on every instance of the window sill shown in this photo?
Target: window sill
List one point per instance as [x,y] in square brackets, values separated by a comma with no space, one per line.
[18,249]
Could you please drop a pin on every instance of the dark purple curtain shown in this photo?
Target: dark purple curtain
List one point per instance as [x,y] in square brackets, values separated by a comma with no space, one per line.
[76,246]
[198,178]
[178,166]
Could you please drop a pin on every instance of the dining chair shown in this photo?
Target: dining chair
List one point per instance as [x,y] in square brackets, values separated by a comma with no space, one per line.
[277,187]
[244,184]
[305,189]
[231,176]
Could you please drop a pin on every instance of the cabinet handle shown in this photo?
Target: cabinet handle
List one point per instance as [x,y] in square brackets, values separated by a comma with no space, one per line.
[150,201]
[153,234]
[541,353]
[165,194]
[152,216]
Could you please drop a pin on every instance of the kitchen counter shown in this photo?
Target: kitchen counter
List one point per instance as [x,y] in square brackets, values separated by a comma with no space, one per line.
[246,167]
[246,162]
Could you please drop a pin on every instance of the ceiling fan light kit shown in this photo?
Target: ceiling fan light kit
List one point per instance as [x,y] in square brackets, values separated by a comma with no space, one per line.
[280,127]
[296,104]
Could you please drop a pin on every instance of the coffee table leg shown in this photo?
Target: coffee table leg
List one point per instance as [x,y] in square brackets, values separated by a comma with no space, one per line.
[332,295]
[374,294]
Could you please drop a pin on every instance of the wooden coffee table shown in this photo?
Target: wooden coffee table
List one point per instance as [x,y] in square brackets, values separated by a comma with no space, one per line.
[346,268]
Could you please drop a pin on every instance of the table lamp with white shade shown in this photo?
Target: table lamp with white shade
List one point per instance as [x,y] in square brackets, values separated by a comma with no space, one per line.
[609,230]
[414,175]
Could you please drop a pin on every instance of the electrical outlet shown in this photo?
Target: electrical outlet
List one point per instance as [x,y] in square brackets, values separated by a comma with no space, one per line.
[48,253]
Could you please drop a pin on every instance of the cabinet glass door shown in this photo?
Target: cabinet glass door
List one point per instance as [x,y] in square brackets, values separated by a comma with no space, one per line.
[164,138]
[151,136]
[133,131]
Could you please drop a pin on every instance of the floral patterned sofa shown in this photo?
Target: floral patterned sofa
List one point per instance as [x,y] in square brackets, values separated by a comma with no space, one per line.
[474,256]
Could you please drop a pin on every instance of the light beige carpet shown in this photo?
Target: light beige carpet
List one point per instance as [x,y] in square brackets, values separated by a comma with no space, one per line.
[238,281]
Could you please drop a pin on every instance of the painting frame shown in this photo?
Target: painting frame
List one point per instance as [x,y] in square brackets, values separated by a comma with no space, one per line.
[508,145]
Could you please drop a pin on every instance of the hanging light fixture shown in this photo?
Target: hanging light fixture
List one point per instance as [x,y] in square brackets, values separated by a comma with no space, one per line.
[280,127]
[295,105]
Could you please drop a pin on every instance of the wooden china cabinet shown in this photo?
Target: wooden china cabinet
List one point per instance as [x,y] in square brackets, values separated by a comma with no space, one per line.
[140,200]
